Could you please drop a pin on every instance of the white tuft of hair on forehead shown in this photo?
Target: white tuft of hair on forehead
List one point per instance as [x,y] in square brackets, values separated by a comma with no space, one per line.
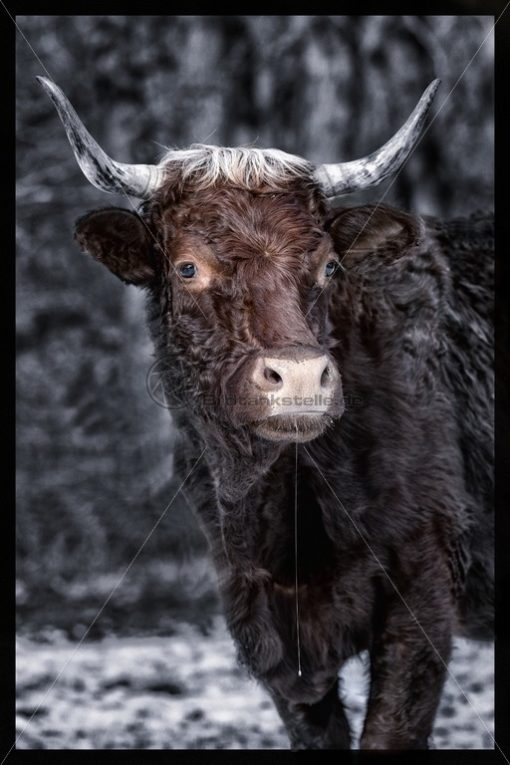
[205,166]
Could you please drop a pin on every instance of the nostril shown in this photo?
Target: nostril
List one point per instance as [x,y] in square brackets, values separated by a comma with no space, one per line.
[272,376]
[326,376]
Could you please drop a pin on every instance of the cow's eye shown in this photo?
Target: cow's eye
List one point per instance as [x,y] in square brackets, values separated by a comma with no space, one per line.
[188,270]
[331,268]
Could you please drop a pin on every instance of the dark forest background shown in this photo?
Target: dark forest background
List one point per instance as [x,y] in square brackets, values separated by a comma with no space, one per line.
[94,451]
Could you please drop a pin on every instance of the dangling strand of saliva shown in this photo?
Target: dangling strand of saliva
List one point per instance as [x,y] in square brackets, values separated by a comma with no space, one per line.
[296,583]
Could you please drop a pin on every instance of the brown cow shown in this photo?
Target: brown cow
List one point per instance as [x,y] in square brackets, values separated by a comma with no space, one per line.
[336,434]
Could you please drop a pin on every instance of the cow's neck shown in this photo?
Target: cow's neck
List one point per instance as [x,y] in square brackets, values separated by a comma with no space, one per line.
[256,492]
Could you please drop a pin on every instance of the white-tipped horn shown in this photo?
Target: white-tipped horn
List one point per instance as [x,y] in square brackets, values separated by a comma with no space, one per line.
[103,172]
[346,177]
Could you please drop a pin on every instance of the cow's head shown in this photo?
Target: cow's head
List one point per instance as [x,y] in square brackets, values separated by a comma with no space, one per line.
[237,247]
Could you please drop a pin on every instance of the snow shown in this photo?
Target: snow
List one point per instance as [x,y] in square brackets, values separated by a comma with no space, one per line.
[187,692]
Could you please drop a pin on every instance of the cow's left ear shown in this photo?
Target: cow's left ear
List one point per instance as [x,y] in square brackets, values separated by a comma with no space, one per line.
[121,241]
[361,233]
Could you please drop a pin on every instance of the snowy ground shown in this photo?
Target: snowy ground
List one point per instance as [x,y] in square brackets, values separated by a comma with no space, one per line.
[186,692]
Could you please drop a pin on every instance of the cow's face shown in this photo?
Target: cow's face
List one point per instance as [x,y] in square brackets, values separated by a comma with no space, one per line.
[248,277]
[245,279]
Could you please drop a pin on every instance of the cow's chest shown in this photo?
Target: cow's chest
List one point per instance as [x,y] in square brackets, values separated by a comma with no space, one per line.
[320,625]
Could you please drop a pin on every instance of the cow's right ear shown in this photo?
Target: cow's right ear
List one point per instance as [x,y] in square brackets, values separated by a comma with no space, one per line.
[121,240]
[369,233]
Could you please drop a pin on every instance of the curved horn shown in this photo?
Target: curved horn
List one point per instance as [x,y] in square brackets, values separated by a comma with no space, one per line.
[102,171]
[346,177]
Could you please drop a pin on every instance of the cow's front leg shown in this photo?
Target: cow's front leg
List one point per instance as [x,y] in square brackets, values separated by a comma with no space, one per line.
[244,591]
[322,725]
[244,594]
[408,665]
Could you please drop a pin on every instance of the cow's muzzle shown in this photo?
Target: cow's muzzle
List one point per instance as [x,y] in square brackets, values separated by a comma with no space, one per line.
[293,393]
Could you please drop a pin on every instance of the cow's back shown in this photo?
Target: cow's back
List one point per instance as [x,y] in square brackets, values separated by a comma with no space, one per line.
[467,246]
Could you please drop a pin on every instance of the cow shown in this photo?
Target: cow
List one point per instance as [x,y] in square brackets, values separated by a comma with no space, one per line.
[333,370]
